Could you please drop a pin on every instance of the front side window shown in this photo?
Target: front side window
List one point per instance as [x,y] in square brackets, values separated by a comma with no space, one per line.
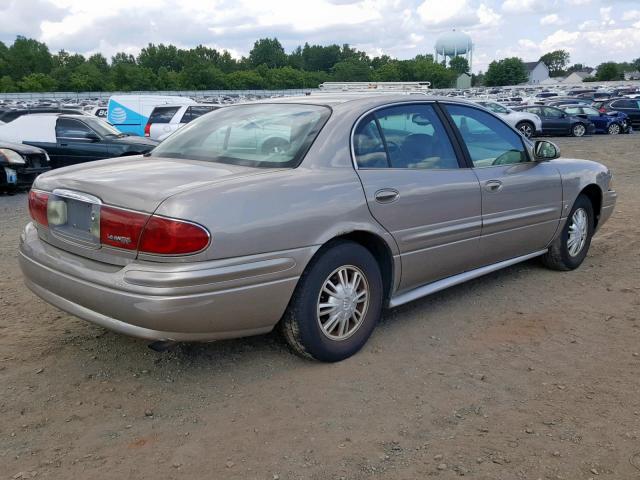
[590,111]
[266,135]
[488,140]
[68,128]
[412,135]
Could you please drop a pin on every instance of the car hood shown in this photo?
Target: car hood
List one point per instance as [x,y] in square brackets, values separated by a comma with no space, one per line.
[141,183]
[21,147]
[135,140]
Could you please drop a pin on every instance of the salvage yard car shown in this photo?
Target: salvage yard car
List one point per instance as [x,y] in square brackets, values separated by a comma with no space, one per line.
[556,122]
[612,123]
[71,139]
[20,165]
[374,201]
[527,123]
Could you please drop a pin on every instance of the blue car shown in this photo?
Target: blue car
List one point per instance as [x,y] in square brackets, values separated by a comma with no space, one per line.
[612,123]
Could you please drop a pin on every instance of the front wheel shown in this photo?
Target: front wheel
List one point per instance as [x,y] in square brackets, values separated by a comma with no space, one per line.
[526,129]
[568,251]
[578,130]
[336,305]
[614,129]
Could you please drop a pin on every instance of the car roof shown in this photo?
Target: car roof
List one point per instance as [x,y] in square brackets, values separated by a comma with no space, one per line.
[362,100]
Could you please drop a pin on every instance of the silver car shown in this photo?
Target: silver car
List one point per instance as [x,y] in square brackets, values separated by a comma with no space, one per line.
[528,124]
[372,202]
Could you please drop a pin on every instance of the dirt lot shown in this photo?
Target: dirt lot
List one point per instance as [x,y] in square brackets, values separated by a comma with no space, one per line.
[523,374]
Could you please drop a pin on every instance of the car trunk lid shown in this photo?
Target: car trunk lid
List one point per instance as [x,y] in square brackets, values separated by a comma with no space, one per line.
[78,194]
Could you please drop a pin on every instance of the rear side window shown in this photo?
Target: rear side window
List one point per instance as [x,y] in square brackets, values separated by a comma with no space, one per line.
[412,136]
[625,104]
[489,141]
[573,110]
[163,114]
[194,112]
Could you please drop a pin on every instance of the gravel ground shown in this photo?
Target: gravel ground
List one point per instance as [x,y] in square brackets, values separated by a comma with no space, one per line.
[522,374]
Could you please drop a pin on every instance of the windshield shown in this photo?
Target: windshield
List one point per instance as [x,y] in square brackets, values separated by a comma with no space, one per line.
[101,127]
[267,135]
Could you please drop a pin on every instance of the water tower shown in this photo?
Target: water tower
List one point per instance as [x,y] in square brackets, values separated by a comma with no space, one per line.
[453,44]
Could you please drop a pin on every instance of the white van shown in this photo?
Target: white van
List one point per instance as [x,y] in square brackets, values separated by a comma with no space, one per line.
[130,113]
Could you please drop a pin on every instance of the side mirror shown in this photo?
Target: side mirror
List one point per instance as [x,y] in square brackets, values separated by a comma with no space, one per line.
[92,136]
[545,150]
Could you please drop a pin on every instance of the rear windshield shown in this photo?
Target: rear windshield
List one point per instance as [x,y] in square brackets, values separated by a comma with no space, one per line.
[163,114]
[265,135]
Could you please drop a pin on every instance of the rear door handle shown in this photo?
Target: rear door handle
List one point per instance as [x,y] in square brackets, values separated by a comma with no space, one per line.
[493,186]
[386,195]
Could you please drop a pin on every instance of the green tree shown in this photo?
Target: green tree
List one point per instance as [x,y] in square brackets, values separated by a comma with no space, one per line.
[440,76]
[636,63]
[37,82]
[352,70]
[7,84]
[27,56]
[459,65]
[609,71]
[269,52]
[557,61]
[508,71]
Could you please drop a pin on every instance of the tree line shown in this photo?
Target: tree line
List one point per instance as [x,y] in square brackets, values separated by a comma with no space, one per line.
[512,71]
[27,65]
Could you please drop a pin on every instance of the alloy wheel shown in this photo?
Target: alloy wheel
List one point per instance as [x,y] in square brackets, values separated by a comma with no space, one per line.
[343,302]
[614,129]
[579,130]
[578,232]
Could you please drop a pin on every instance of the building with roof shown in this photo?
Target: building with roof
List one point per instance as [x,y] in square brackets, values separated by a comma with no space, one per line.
[537,71]
[579,76]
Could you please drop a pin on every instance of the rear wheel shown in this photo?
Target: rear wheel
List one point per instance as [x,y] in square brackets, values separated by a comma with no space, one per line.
[614,129]
[569,250]
[336,305]
[526,129]
[578,130]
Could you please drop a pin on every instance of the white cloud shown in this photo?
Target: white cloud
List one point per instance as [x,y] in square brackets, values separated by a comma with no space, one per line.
[551,19]
[631,15]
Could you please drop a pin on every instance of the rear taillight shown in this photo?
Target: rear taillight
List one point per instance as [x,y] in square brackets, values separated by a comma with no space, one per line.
[38,206]
[131,230]
[602,110]
[147,130]
[121,228]
[167,236]
[150,233]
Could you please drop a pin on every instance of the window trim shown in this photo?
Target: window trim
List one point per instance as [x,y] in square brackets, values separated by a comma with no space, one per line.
[463,145]
[462,163]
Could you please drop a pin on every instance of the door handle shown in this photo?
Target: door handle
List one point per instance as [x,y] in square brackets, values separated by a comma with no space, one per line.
[64,144]
[386,195]
[493,186]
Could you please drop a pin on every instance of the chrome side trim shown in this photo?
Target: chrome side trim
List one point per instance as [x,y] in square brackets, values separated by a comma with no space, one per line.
[80,196]
[434,287]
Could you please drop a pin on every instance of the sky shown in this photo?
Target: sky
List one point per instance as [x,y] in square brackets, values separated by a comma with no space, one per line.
[593,31]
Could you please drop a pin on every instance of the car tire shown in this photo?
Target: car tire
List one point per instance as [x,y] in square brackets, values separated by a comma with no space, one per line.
[319,323]
[527,129]
[564,253]
[614,129]
[578,130]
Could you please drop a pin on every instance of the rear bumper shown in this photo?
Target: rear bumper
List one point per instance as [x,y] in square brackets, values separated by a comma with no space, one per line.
[199,301]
